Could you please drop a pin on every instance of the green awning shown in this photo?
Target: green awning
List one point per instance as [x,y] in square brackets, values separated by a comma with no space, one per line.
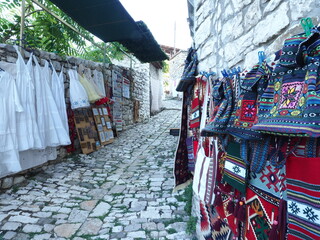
[109,21]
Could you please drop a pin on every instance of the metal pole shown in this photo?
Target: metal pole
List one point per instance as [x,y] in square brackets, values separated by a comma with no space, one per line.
[104,54]
[174,38]
[23,14]
[72,27]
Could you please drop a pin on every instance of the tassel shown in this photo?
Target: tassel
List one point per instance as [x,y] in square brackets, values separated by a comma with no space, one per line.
[273,234]
[241,215]
[218,200]
[282,219]
[230,206]
[217,225]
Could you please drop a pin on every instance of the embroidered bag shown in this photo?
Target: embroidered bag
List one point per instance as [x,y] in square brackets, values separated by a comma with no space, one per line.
[262,209]
[303,194]
[235,170]
[265,207]
[293,93]
[244,114]
[189,72]
[222,100]
[196,104]
[205,168]
[226,198]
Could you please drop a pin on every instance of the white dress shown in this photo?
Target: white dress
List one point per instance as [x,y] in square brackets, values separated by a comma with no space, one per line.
[10,106]
[99,82]
[57,87]
[52,131]
[78,95]
[27,127]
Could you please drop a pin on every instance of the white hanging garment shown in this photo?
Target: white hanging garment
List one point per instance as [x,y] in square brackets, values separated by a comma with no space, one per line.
[27,127]
[57,87]
[78,95]
[10,106]
[88,75]
[91,92]
[99,82]
[33,158]
[51,129]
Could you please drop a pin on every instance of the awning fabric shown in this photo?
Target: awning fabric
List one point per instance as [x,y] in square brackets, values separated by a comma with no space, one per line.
[109,21]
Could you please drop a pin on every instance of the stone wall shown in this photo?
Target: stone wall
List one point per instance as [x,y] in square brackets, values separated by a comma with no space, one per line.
[139,87]
[156,87]
[152,89]
[176,66]
[230,33]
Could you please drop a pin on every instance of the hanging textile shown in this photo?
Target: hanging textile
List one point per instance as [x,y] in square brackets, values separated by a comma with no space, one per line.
[181,173]
[303,194]
[98,82]
[72,130]
[27,128]
[33,158]
[295,98]
[52,131]
[206,161]
[9,107]
[92,94]
[78,95]
[57,87]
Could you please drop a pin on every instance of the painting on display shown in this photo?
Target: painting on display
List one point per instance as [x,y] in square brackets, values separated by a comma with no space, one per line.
[103,123]
[117,81]
[86,130]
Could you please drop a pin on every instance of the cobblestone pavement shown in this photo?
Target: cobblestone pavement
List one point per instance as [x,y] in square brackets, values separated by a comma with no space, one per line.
[122,191]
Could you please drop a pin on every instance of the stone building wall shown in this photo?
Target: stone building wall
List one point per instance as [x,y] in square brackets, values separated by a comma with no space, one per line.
[176,66]
[156,87]
[230,33]
[138,76]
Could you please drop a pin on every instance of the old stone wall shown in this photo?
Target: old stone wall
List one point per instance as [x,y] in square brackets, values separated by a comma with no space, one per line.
[139,85]
[156,86]
[176,66]
[230,33]
[138,76]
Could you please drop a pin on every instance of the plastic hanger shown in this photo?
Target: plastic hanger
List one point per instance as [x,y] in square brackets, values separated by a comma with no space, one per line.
[261,56]
[306,24]
[207,75]
[224,73]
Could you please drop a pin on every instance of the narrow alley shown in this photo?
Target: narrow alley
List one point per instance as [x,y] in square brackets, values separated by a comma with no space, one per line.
[122,191]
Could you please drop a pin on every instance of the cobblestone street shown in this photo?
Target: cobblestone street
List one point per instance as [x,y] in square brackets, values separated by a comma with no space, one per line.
[122,191]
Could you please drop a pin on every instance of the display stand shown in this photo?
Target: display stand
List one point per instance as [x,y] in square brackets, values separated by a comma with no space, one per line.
[87,132]
[103,124]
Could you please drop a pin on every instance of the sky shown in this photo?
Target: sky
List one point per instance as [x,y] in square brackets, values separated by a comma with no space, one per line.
[160,17]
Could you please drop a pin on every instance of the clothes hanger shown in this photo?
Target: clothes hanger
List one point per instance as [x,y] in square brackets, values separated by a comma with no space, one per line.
[261,56]
[307,25]
[206,74]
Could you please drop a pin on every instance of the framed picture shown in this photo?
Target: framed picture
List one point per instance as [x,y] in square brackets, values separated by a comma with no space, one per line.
[95,111]
[105,111]
[102,137]
[103,121]
[107,135]
[100,127]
